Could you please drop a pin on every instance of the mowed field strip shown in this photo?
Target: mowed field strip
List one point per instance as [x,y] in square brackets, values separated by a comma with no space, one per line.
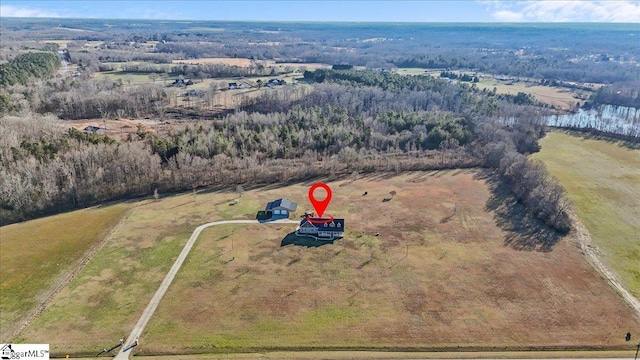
[602,179]
[431,277]
[39,256]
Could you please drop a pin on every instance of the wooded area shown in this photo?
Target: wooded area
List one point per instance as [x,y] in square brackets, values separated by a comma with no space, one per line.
[26,66]
[359,116]
[355,121]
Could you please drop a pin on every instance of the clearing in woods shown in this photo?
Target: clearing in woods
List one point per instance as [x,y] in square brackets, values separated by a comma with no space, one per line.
[602,179]
[247,288]
[243,62]
[35,254]
[561,97]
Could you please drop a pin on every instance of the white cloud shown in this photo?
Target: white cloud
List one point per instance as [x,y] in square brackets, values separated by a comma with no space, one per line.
[20,11]
[565,11]
[507,16]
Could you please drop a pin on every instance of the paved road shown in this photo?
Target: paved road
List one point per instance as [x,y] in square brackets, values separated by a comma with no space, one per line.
[125,350]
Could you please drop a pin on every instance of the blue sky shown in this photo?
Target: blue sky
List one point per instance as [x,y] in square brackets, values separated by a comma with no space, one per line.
[399,11]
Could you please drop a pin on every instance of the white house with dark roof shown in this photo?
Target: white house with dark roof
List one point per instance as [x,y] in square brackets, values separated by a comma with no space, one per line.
[322,229]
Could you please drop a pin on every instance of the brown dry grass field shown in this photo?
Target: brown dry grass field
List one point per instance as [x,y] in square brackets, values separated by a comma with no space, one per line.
[224,61]
[386,355]
[248,62]
[243,288]
[560,97]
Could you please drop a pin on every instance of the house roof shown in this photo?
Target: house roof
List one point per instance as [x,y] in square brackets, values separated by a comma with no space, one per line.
[282,204]
[93,128]
[338,224]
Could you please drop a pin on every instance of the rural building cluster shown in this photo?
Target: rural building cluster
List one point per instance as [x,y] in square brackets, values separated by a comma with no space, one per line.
[319,228]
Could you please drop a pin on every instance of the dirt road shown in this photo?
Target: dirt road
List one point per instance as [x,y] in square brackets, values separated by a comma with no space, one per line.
[44,300]
[591,252]
[153,304]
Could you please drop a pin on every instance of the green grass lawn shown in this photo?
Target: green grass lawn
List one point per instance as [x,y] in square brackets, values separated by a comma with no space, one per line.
[105,300]
[136,79]
[603,181]
[34,253]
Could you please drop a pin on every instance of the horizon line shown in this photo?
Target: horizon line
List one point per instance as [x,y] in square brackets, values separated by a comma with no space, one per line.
[321,21]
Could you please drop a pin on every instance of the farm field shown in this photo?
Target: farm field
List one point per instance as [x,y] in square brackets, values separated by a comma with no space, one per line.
[430,275]
[386,355]
[560,97]
[249,62]
[102,304]
[60,240]
[129,78]
[602,179]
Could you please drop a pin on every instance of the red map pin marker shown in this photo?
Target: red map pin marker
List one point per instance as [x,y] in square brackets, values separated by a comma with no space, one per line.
[320,205]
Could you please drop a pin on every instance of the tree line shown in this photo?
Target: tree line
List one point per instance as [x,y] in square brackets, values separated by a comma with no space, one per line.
[622,94]
[27,66]
[352,121]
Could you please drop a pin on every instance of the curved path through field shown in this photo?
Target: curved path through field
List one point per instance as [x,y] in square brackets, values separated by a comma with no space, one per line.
[126,348]
[591,252]
[584,240]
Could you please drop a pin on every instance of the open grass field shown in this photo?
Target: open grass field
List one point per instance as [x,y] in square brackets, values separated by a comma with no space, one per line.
[34,253]
[243,289]
[603,181]
[249,62]
[224,61]
[431,278]
[102,304]
[386,355]
[560,97]
[129,78]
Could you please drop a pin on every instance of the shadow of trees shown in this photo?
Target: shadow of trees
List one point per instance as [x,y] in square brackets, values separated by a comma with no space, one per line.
[293,239]
[524,231]
[626,141]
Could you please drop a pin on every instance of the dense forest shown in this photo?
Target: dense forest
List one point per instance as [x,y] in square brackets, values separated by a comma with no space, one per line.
[29,65]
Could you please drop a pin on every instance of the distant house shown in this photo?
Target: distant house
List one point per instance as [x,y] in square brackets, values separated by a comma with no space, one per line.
[181,82]
[276,82]
[277,209]
[194,92]
[95,130]
[233,86]
[322,228]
